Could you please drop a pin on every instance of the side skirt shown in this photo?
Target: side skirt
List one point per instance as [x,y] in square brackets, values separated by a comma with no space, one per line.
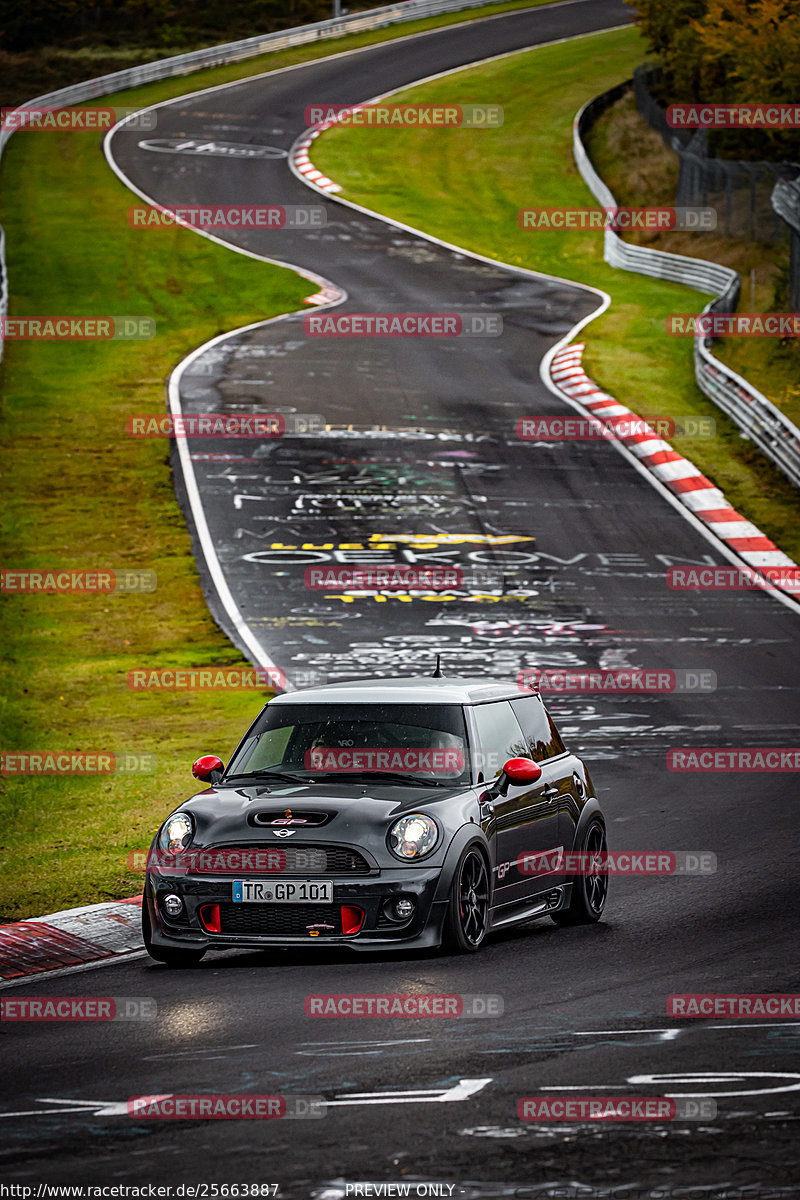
[545,904]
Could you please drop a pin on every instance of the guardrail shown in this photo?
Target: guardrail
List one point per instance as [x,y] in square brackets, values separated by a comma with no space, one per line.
[786,202]
[228,52]
[3,286]
[770,429]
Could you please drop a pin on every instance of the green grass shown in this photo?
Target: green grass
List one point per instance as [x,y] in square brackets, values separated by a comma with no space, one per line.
[466,187]
[78,493]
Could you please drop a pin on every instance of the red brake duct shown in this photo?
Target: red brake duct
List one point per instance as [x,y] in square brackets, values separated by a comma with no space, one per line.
[210,919]
[352,919]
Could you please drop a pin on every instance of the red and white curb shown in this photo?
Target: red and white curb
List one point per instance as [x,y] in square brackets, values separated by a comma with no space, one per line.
[680,476]
[70,938]
[301,162]
[326,295]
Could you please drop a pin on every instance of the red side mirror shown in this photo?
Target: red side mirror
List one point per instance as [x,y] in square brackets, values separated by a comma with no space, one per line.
[207,767]
[522,770]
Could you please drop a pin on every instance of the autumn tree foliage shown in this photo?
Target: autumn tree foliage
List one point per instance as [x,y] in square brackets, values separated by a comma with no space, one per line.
[728,51]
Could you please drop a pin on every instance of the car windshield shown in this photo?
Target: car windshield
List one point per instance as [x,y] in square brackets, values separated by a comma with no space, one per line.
[426,742]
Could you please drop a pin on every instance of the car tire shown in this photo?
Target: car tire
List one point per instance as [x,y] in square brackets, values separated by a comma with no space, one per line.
[589,892]
[162,954]
[467,920]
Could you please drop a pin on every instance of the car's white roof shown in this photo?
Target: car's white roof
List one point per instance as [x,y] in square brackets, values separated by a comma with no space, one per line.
[418,689]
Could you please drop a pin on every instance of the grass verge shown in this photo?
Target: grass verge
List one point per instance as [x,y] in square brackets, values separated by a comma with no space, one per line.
[79,494]
[467,187]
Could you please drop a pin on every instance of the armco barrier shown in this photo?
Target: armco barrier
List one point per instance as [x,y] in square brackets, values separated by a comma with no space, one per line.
[786,202]
[774,434]
[214,56]
[3,286]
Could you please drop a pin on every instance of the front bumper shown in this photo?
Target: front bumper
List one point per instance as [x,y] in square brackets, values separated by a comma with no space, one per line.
[264,925]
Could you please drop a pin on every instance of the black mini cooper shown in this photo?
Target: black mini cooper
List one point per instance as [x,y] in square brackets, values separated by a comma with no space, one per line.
[388,813]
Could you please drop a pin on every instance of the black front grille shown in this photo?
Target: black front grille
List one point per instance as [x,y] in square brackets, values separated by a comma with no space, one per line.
[304,859]
[341,860]
[280,920]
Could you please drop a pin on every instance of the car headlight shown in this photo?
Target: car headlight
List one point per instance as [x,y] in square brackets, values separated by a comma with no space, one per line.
[176,833]
[414,836]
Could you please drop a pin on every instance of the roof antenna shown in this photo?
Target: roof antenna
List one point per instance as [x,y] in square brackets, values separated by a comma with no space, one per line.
[438,673]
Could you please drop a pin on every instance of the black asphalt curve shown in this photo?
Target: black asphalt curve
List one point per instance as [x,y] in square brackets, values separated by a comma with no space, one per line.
[419,464]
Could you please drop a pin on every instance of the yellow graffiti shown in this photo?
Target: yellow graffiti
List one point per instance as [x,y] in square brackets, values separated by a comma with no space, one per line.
[449,539]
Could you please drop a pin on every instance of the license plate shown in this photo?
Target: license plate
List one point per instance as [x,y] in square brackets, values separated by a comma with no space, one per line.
[296,891]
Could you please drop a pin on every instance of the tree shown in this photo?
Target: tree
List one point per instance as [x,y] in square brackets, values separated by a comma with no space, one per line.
[728,51]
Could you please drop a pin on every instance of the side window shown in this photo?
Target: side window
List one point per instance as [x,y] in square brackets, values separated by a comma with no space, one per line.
[499,737]
[543,738]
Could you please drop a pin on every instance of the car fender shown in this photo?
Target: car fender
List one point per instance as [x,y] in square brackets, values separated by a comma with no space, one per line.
[468,834]
[591,808]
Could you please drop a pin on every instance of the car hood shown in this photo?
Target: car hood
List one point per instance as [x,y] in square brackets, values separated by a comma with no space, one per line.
[341,813]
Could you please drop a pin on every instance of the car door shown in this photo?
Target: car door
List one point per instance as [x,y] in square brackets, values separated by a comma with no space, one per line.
[524,821]
[559,767]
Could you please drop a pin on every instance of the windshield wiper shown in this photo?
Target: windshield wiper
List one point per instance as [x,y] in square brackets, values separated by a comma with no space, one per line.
[285,775]
[389,776]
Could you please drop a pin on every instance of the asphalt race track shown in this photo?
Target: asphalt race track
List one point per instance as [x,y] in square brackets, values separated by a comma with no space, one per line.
[420,464]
